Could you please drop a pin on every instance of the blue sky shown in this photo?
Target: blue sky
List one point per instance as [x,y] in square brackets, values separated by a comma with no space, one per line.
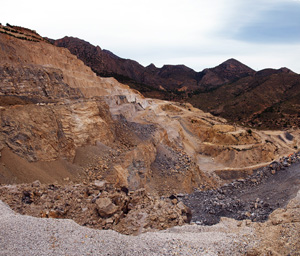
[197,33]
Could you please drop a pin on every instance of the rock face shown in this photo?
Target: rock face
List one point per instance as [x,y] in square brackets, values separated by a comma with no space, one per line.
[35,83]
[266,99]
[60,121]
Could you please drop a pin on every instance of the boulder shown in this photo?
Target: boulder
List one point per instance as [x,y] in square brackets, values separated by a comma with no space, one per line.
[105,207]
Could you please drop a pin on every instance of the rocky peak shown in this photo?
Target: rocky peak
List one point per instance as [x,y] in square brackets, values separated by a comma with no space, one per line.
[232,68]
[77,46]
[151,66]
[226,72]
[286,70]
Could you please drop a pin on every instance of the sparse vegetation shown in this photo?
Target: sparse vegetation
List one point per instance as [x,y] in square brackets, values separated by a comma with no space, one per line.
[25,37]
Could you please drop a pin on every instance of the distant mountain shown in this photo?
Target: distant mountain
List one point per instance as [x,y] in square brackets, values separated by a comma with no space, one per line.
[268,98]
[169,77]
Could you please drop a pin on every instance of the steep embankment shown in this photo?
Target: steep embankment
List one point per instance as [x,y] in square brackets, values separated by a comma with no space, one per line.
[56,113]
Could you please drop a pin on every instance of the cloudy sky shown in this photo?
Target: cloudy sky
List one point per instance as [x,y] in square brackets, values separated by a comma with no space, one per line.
[197,33]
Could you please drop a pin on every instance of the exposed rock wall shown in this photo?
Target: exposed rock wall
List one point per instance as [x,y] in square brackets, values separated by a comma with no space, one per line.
[39,83]
[47,132]
[75,73]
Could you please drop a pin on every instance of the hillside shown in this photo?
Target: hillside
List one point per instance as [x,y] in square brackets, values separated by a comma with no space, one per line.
[76,145]
[263,99]
[56,114]
[268,99]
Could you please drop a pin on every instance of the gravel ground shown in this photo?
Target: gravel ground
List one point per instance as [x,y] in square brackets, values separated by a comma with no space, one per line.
[26,235]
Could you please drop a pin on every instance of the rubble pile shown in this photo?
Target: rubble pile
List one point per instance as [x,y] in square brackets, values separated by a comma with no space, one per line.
[97,205]
[254,198]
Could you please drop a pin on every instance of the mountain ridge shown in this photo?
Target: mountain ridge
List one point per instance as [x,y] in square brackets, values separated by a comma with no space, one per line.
[207,89]
[106,63]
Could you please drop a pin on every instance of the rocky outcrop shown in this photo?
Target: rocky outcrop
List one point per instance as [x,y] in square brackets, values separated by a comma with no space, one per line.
[47,132]
[38,83]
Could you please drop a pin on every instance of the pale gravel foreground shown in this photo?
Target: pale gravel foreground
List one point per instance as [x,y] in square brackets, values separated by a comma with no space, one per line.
[26,235]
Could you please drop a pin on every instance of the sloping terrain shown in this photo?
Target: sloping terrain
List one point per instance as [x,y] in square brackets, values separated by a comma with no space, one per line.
[255,197]
[56,113]
[265,99]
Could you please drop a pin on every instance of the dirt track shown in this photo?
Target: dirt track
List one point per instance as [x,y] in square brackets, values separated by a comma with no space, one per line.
[253,198]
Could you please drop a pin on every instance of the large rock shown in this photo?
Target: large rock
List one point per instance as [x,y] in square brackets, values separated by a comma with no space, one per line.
[105,207]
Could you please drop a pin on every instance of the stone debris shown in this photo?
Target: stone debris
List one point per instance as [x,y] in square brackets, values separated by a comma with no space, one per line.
[97,205]
[26,235]
[254,198]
